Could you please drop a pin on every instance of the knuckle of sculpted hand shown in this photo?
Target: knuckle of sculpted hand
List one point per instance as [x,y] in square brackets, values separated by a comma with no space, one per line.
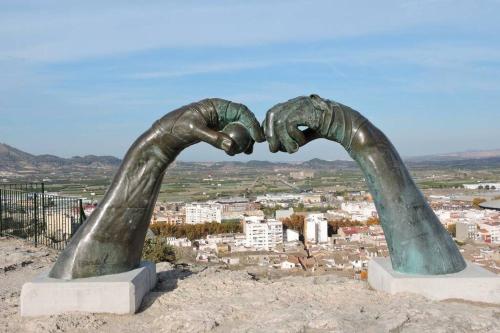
[273,112]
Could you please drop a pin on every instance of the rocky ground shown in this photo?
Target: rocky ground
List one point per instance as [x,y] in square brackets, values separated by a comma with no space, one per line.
[219,300]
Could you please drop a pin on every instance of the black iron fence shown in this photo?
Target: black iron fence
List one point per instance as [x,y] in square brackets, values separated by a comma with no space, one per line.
[41,218]
[26,187]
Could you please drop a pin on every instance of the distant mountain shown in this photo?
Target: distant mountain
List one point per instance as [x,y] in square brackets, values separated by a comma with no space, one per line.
[14,160]
[317,163]
[96,160]
[466,155]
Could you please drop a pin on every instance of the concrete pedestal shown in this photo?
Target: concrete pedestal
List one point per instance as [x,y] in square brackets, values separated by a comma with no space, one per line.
[474,283]
[116,293]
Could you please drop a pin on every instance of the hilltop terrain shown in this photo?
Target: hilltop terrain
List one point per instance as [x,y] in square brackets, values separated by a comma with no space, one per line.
[215,299]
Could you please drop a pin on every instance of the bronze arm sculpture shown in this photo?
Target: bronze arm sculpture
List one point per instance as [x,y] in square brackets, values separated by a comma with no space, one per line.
[112,238]
[417,242]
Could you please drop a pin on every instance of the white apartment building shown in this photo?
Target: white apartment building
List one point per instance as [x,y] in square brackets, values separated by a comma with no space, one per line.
[316,228]
[203,213]
[261,233]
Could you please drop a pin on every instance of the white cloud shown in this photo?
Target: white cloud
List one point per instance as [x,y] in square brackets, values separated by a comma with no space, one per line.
[66,31]
[204,68]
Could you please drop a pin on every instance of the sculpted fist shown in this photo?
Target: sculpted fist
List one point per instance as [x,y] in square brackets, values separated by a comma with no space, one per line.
[323,119]
[203,121]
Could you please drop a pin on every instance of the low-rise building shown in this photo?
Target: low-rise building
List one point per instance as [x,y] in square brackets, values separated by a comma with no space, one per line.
[281,214]
[311,198]
[359,211]
[287,265]
[235,207]
[179,242]
[169,216]
[291,235]
[492,234]
[465,231]
[353,234]
[480,186]
[299,175]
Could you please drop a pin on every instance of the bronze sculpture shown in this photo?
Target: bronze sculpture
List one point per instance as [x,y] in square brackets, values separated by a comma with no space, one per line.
[112,238]
[417,242]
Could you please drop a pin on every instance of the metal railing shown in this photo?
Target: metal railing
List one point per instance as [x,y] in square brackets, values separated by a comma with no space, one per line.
[25,187]
[41,218]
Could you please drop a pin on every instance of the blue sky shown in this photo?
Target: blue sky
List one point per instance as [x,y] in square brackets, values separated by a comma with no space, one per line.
[88,77]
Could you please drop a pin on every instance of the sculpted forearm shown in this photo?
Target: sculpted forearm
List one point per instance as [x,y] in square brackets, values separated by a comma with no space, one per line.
[111,239]
[417,241]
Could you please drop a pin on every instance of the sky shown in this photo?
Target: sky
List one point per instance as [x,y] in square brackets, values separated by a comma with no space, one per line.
[88,77]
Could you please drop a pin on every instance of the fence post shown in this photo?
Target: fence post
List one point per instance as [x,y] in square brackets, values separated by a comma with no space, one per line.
[35,197]
[82,212]
[1,213]
[44,226]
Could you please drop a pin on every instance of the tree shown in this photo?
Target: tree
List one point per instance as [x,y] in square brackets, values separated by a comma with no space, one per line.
[334,225]
[372,221]
[300,207]
[158,250]
[452,229]
[477,201]
[194,231]
[295,222]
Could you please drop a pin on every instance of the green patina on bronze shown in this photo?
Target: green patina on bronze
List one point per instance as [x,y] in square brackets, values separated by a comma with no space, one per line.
[417,242]
[112,238]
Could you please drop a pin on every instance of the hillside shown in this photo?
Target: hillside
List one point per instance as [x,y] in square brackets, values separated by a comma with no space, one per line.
[15,161]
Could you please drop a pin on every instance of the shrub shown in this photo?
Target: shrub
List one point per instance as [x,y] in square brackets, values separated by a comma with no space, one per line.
[477,201]
[452,229]
[158,250]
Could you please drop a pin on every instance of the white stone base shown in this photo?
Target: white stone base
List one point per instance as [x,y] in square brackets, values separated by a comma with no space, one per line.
[474,283]
[116,293]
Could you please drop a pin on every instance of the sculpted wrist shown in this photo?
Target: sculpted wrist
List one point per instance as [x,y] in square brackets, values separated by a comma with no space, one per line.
[163,136]
[325,116]
[341,123]
[174,132]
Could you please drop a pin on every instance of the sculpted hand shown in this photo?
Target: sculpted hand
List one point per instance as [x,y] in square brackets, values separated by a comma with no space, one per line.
[282,122]
[319,115]
[203,121]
